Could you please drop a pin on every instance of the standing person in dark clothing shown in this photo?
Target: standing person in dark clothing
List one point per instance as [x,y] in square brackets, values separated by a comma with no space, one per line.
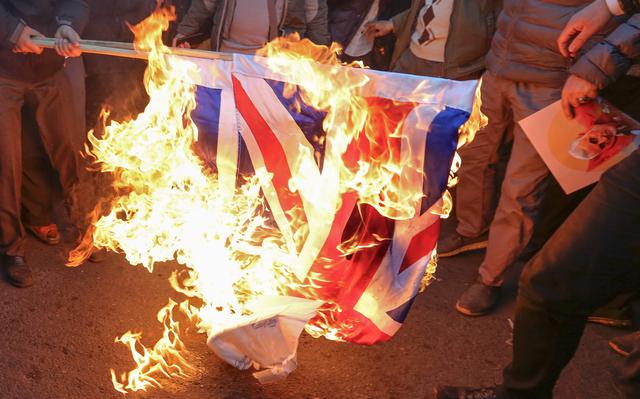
[40,190]
[25,70]
[347,25]
[115,83]
[595,254]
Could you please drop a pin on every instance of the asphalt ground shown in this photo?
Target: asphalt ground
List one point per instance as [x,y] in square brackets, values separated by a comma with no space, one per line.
[57,341]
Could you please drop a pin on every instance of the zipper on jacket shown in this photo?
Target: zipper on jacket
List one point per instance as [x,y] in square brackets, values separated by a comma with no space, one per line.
[222,17]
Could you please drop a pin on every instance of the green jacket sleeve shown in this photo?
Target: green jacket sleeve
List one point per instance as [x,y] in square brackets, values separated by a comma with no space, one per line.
[400,20]
[610,59]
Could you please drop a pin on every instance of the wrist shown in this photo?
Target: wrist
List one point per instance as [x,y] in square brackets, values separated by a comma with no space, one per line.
[64,22]
[17,32]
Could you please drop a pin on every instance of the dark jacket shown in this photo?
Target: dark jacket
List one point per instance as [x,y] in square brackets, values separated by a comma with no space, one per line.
[472,26]
[346,16]
[524,47]
[307,17]
[612,58]
[630,6]
[110,21]
[44,16]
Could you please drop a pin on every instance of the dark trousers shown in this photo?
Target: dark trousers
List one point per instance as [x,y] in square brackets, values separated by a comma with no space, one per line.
[38,177]
[53,105]
[591,258]
[40,188]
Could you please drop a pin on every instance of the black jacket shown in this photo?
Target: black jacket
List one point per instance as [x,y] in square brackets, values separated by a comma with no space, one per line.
[44,16]
[110,21]
[346,16]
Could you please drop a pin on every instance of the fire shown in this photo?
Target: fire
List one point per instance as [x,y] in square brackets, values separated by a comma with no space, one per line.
[169,206]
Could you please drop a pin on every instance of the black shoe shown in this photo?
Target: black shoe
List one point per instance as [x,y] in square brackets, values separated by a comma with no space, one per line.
[18,272]
[98,256]
[478,299]
[455,244]
[625,344]
[447,392]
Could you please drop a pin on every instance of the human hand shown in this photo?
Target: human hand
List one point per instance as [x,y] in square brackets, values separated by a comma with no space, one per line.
[576,91]
[378,28]
[67,42]
[25,43]
[582,26]
[176,43]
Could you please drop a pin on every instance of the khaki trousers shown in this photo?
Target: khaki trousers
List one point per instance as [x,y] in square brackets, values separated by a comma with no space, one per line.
[505,103]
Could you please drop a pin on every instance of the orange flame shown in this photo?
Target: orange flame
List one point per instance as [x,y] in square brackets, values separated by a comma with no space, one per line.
[169,206]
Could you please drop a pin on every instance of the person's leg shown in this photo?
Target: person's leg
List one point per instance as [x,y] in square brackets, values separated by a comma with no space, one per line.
[12,234]
[37,173]
[555,208]
[631,372]
[591,258]
[55,117]
[75,74]
[522,189]
[475,191]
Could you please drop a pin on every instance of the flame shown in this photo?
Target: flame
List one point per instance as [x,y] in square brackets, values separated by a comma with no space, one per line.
[168,206]
[477,120]
[351,121]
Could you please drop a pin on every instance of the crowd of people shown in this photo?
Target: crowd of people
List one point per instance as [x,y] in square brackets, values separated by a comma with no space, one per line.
[583,249]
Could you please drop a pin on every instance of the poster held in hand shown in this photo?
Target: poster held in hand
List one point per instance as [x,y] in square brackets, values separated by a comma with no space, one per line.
[579,151]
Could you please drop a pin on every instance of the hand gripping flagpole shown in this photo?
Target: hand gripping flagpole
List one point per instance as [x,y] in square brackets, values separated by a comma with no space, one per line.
[127,50]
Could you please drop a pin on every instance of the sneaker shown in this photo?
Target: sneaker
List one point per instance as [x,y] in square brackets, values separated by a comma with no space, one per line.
[448,392]
[478,299]
[17,271]
[48,234]
[98,256]
[455,244]
[625,344]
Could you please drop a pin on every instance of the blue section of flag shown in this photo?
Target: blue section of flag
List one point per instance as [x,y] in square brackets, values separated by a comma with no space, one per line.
[400,313]
[207,118]
[306,117]
[442,140]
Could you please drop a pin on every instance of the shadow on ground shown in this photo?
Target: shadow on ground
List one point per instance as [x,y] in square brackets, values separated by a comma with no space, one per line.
[57,342]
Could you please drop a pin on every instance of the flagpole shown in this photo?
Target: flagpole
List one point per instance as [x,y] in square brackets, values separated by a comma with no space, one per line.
[127,50]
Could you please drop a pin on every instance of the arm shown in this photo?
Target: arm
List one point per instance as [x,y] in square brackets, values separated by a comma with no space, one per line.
[198,17]
[400,20]
[607,61]
[601,66]
[10,27]
[383,28]
[73,13]
[316,13]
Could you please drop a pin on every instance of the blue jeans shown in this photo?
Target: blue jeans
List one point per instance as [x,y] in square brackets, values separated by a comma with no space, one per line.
[591,258]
